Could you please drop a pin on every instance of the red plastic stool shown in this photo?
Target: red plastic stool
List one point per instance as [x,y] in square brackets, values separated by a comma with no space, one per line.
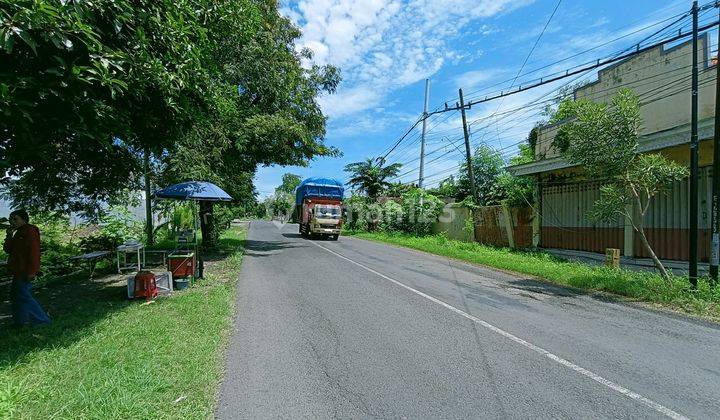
[145,285]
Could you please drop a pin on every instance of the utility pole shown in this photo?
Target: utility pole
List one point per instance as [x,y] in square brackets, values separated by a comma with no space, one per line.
[468,154]
[148,201]
[715,217]
[424,128]
[693,269]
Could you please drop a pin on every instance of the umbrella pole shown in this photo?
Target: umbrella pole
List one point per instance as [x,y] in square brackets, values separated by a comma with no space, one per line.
[201,266]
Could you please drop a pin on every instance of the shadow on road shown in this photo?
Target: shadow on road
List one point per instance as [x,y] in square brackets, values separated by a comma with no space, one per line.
[265,248]
[534,286]
[314,238]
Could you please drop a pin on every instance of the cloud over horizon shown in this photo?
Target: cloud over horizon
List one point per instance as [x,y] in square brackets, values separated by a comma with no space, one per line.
[384,45]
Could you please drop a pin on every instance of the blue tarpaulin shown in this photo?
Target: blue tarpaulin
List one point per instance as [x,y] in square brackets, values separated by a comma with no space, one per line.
[319,188]
[193,190]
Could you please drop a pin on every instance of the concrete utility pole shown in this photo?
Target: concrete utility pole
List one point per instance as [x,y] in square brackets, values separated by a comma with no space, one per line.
[148,200]
[468,153]
[715,251]
[424,128]
[693,266]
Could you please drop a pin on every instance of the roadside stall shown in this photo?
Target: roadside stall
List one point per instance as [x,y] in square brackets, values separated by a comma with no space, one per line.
[185,263]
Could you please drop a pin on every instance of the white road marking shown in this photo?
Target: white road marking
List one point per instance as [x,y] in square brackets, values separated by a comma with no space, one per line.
[595,377]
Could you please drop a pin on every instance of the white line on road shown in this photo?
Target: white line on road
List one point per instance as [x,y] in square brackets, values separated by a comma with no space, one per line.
[595,377]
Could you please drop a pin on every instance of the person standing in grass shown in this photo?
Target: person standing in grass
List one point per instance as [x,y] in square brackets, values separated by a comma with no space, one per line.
[22,244]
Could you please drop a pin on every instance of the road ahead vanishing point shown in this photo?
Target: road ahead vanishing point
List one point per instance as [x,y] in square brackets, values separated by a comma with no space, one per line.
[356,329]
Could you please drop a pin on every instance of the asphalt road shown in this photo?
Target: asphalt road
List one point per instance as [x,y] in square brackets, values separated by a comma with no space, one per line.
[356,329]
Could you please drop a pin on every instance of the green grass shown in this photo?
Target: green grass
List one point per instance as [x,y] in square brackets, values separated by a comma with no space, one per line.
[640,286]
[107,357]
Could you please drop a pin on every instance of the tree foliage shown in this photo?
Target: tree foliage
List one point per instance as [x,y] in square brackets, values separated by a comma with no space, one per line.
[519,190]
[414,212]
[210,88]
[289,183]
[488,166]
[609,133]
[603,139]
[371,177]
[447,188]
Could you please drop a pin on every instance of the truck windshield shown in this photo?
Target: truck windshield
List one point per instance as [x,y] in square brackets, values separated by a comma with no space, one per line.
[327,211]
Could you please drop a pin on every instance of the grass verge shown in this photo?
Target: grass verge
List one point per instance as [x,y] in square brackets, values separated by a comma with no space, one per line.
[640,286]
[107,357]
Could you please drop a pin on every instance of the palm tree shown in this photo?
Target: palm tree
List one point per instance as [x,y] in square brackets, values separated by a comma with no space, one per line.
[370,176]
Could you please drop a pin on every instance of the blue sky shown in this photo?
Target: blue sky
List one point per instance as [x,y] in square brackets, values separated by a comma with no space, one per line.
[386,49]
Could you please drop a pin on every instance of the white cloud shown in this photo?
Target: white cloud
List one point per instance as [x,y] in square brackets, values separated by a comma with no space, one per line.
[350,101]
[384,45]
[474,78]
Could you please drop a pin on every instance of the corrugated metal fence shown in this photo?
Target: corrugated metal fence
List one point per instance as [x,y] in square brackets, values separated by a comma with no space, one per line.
[565,223]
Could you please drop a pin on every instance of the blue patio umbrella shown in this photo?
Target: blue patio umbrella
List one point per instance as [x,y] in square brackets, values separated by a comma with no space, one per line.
[193,191]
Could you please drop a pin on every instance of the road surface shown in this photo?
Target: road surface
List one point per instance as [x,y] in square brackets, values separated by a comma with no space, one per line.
[357,329]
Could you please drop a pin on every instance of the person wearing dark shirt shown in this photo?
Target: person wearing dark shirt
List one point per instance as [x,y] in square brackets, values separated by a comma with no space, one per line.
[22,244]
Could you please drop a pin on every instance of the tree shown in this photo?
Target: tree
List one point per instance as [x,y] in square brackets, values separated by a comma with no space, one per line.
[262,104]
[447,188]
[87,87]
[603,139]
[370,177]
[488,165]
[398,188]
[210,88]
[519,190]
[289,183]
[281,205]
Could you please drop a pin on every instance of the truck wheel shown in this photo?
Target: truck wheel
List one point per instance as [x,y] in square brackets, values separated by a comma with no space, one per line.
[334,237]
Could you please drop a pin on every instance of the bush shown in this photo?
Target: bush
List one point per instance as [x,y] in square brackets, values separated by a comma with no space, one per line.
[121,225]
[415,214]
[421,211]
[356,210]
[55,243]
[117,226]
[393,216]
[98,242]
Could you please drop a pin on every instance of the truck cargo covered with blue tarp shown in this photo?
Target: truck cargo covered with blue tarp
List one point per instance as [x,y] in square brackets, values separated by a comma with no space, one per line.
[328,188]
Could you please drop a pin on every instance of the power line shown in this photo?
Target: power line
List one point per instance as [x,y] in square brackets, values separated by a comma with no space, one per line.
[679,18]
[650,98]
[532,50]
[569,72]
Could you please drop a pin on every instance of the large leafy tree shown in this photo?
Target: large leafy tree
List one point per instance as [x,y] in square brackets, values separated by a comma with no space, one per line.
[209,88]
[371,177]
[86,87]
[262,104]
[603,139]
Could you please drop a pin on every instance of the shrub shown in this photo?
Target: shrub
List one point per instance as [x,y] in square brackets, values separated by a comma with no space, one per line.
[356,210]
[55,242]
[421,210]
[119,223]
[393,216]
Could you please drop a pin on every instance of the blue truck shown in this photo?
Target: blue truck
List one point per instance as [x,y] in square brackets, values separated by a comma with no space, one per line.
[318,207]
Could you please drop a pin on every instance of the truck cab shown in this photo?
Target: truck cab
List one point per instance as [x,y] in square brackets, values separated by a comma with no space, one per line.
[324,219]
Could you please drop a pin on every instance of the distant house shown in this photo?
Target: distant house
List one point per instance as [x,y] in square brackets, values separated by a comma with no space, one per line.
[661,78]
